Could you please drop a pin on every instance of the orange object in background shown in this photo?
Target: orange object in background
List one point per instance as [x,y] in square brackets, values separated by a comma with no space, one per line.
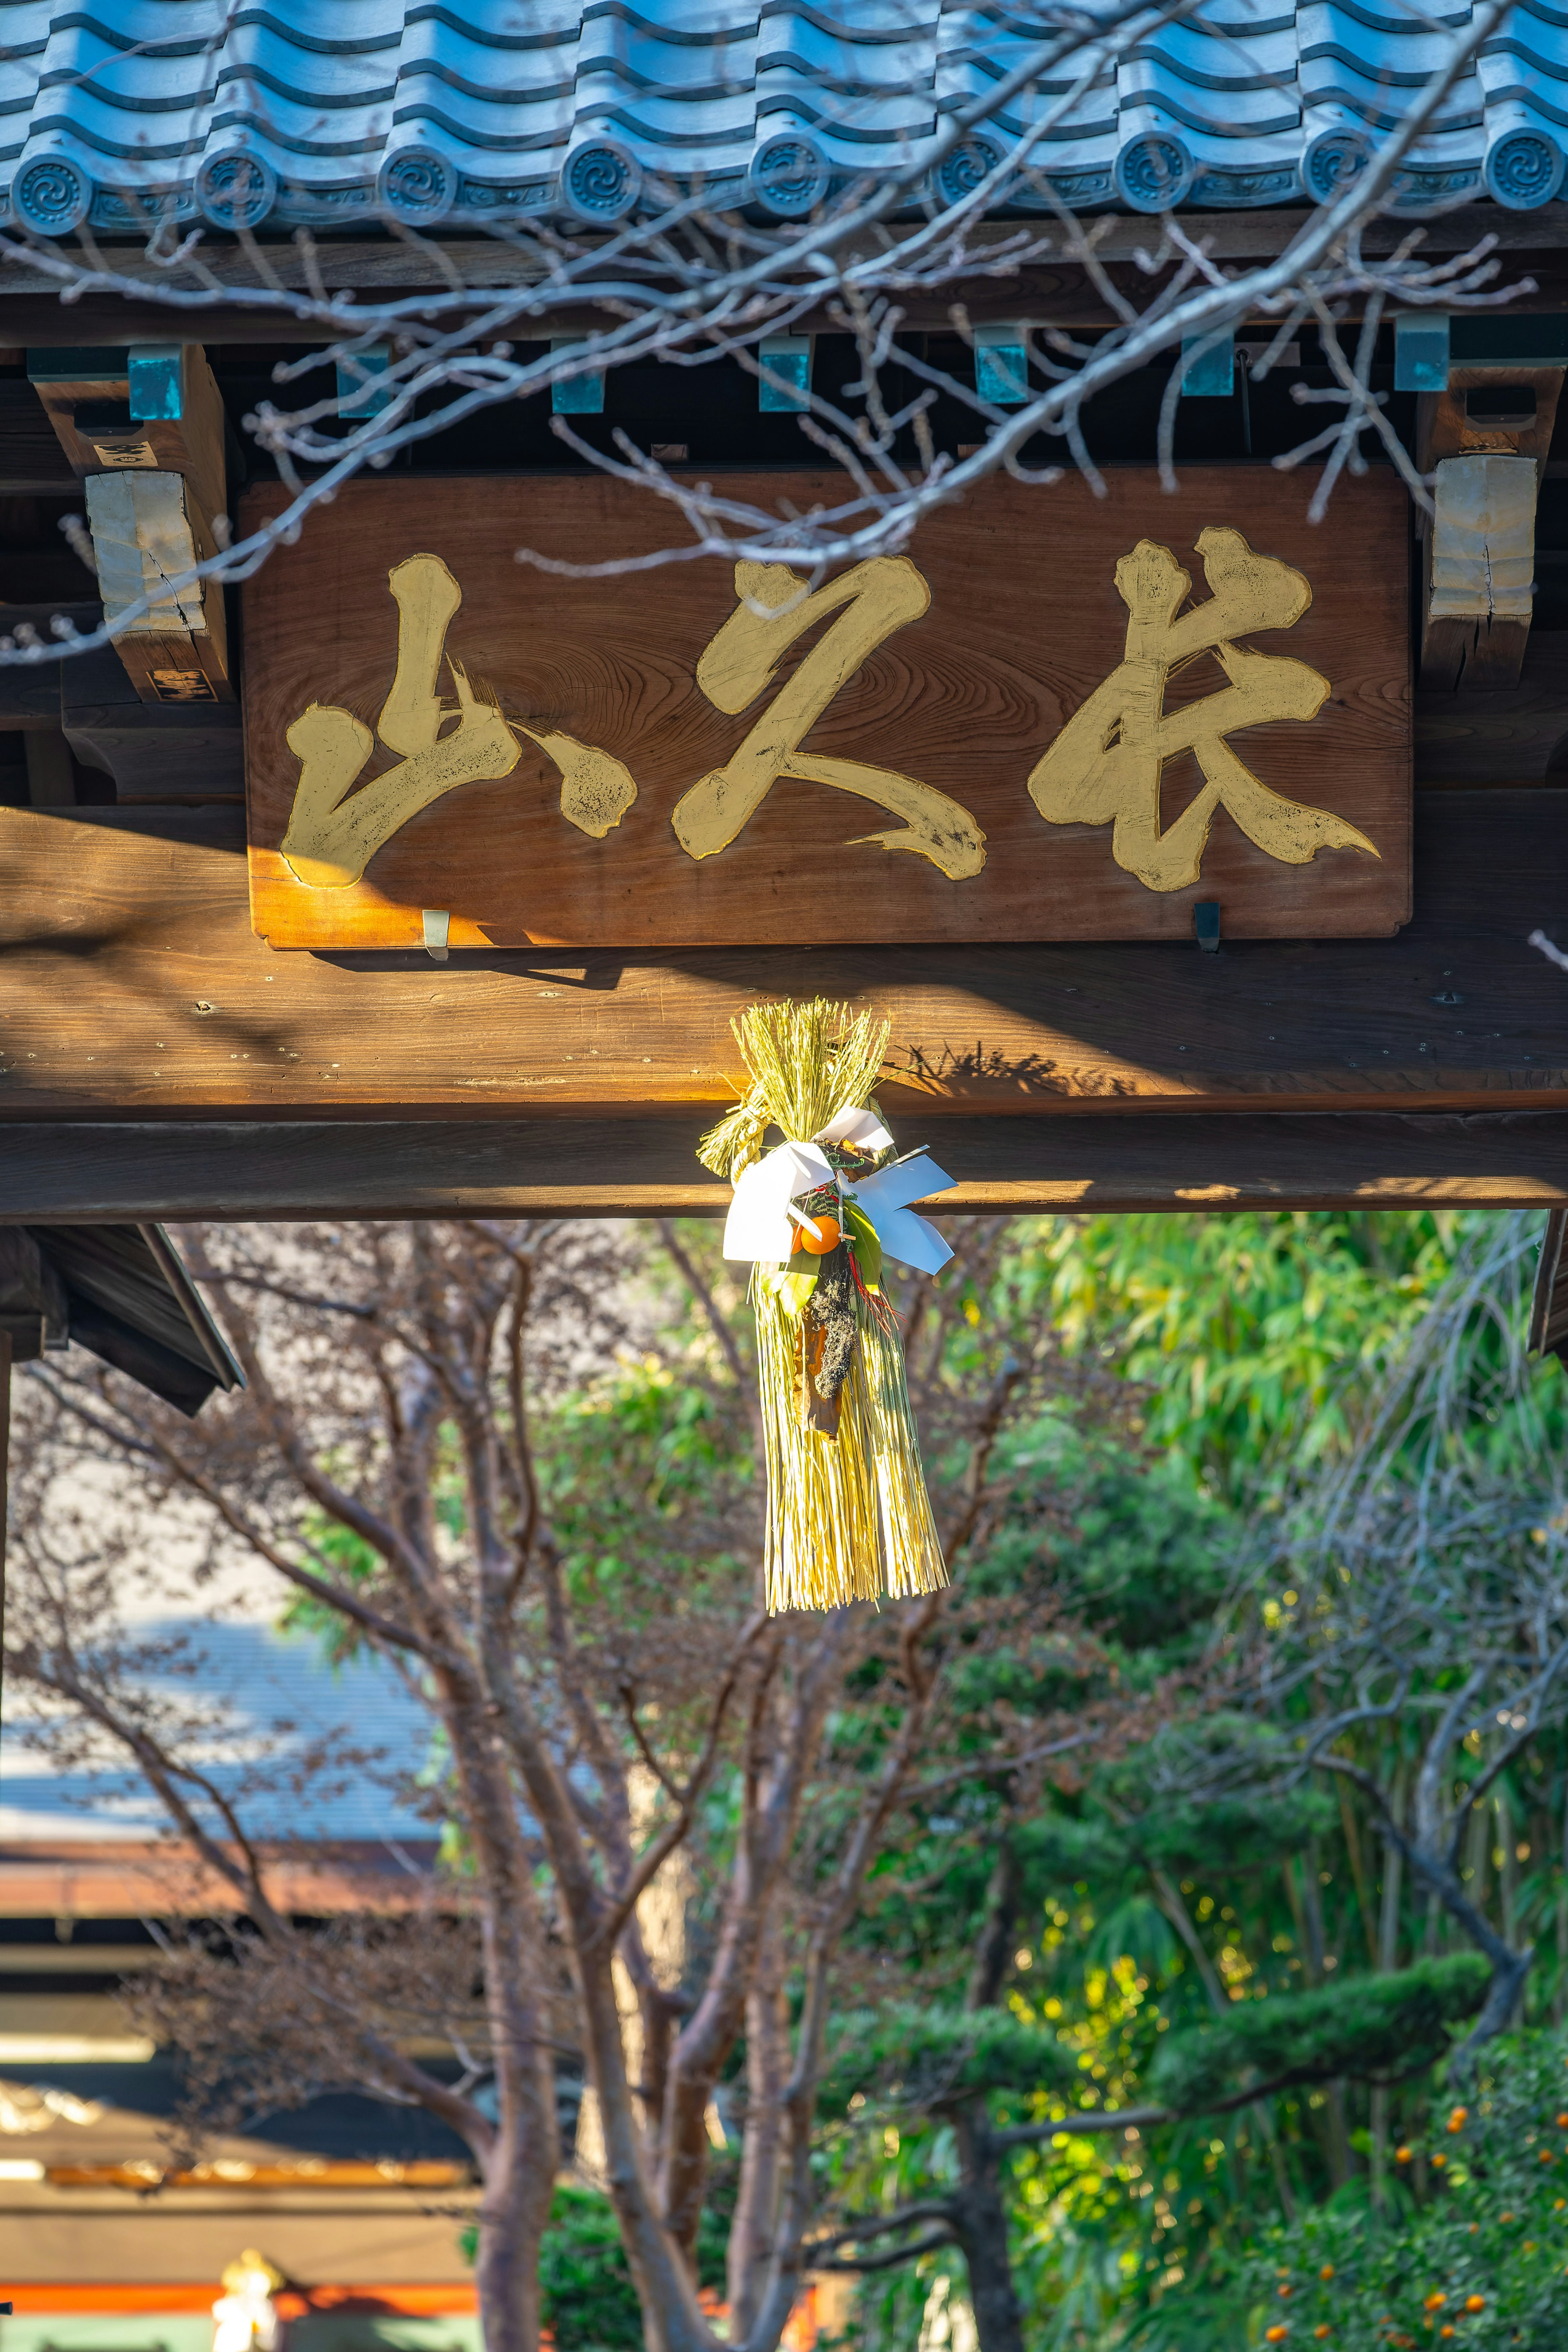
[64,2301]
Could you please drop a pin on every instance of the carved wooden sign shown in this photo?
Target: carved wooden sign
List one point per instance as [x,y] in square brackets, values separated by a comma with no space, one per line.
[1056,717]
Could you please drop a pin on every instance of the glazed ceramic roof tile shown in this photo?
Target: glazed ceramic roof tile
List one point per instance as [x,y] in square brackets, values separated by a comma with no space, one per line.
[336,112]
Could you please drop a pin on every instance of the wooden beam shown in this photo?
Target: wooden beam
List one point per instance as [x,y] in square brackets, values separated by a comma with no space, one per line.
[1532,245]
[147,530]
[30,693]
[51,784]
[154,485]
[1501,734]
[392,264]
[132,985]
[31,458]
[175,1170]
[92,415]
[1486,436]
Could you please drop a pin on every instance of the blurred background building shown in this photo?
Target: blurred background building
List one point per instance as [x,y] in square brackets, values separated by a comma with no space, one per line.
[359,2208]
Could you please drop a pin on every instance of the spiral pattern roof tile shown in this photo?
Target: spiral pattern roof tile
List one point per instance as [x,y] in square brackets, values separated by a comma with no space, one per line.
[339,112]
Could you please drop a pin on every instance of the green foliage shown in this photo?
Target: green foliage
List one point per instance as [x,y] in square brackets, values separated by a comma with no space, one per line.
[589,2302]
[1137,1552]
[918,2055]
[639,1472]
[1248,1351]
[1392,2024]
[1210,1375]
[1254,1332]
[1484,2218]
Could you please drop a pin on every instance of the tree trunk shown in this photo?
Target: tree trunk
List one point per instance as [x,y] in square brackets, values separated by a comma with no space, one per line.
[1387,1960]
[506,2270]
[1508,1865]
[980,2224]
[520,2166]
[979,2216]
[756,2221]
[672,2321]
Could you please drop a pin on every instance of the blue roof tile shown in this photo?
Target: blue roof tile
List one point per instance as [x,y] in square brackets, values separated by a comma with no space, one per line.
[325,111]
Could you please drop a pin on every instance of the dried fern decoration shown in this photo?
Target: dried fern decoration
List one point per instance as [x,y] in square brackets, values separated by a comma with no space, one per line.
[848,1517]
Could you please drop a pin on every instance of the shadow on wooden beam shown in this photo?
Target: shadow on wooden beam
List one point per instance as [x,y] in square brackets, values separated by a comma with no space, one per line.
[238,1173]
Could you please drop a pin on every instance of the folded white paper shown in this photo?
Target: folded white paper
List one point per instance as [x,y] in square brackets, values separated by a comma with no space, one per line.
[761,1223]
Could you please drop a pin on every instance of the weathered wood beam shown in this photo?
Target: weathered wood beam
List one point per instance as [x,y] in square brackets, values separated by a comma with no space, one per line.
[1532,243]
[32,461]
[33,1311]
[1486,436]
[161,752]
[1497,735]
[131,985]
[232,1171]
[157,751]
[146,436]
[1246,234]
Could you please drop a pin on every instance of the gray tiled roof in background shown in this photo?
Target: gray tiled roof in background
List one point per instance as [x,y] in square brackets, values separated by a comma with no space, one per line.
[324,111]
[301,1748]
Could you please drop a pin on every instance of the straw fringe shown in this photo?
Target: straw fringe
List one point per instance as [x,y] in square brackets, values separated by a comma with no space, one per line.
[807,1062]
[848,1517]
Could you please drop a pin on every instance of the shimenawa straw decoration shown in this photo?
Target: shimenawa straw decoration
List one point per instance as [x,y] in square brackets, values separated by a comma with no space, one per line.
[849,1515]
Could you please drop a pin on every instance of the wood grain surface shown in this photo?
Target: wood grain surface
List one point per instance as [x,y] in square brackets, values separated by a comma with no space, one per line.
[1053,288]
[1488,735]
[371,264]
[1023,623]
[131,986]
[552,1167]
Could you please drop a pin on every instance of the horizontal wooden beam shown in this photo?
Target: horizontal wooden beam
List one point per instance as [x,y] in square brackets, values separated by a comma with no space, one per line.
[1531,244]
[394,263]
[132,986]
[169,1170]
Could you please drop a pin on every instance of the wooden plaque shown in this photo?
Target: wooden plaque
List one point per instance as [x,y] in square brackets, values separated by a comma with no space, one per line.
[1026,728]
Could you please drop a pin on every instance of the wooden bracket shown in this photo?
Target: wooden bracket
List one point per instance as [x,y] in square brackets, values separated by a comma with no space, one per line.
[33,1314]
[1486,437]
[145,432]
[146,535]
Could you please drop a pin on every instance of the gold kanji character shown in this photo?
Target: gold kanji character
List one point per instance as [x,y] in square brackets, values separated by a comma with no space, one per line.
[883,595]
[1106,762]
[334,831]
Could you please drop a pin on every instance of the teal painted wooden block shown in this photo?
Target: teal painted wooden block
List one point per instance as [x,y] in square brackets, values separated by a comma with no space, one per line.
[787,357]
[1421,351]
[359,392]
[576,395]
[1002,373]
[157,383]
[1211,374]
